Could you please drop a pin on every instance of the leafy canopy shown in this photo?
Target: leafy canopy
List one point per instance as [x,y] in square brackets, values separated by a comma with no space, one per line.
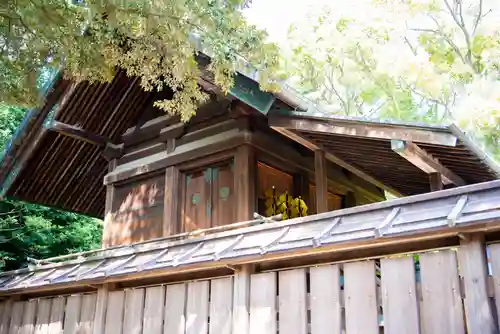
[433,61]
[150,39]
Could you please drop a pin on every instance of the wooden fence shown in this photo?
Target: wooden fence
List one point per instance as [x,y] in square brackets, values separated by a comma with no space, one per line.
[435,292]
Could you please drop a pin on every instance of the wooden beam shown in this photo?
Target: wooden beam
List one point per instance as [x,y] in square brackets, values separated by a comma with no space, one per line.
[77,133]
[424,161]
[321,180]
[166,126]
[244,182]
[362,129]
[112,151]
[108,208]
[474,270]
[337,161]
[435,182]
[171,207]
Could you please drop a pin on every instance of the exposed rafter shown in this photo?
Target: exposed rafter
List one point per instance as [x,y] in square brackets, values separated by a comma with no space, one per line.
[424,161]
[335,160]
[77,133]
[363,129]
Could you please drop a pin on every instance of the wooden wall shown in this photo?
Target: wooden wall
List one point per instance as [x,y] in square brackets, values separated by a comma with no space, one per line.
[138,210]
[171,177]
[432,292]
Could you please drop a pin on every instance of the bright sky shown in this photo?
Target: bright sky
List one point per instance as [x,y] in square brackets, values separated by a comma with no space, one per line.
[275,16]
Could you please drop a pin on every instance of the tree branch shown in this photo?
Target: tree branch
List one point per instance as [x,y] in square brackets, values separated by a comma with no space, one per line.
[478,17]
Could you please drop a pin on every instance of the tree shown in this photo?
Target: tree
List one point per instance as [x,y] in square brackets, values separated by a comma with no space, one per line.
[434,61]
[152,40]
[28,230]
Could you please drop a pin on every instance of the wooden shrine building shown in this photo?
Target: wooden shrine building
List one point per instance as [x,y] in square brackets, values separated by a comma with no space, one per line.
[188,244]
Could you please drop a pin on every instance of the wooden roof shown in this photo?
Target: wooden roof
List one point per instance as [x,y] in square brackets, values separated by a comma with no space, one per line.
[368,146]
[53,169]
[430,216]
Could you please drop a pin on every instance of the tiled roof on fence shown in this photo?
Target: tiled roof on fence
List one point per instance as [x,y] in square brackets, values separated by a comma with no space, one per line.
[444,211]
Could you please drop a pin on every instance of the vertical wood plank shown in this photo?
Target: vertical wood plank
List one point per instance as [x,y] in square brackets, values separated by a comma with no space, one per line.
[263,303]
[100,310]
[241,300]
[435,182]
[350,199]
[194,211]
[29,314]
[114,312]
[175,304]
[57,315]
[16,317]
[134,307]
[441,291]
[72,314]
[153,310]
[171,214]
[43,316]
[197,308]
[221,302]
[88,313]
[5,313]
[473,268]
[223,203]
[326,309]
[245,168]
[292,301]
[107,233]
[399,296]
[321,180]
[360,293]
[301,187]
[495,268]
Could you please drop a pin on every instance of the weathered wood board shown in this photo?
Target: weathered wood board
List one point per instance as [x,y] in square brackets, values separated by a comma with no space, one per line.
[134,307]
[197,307]
[361,298]
[263,303]
[292,301]
[221,304]
[175,304]
[153,310]
[399,296]
[114,312]
[326,308]
[441,291]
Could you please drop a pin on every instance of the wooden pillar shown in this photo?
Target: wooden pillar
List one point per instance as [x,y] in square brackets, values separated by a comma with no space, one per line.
[435,181]
[244,182]
[474,270]
[108,209]
[241,299]
[100,309]
[301,187]
[350,200]
[171,213]
[321,178]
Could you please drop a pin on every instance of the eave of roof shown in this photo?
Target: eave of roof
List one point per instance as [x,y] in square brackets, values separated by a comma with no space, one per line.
[90,104]
[432,215]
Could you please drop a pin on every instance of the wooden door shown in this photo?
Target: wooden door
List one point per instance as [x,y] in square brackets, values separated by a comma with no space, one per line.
[222,192]
[194,215]
[209,197]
